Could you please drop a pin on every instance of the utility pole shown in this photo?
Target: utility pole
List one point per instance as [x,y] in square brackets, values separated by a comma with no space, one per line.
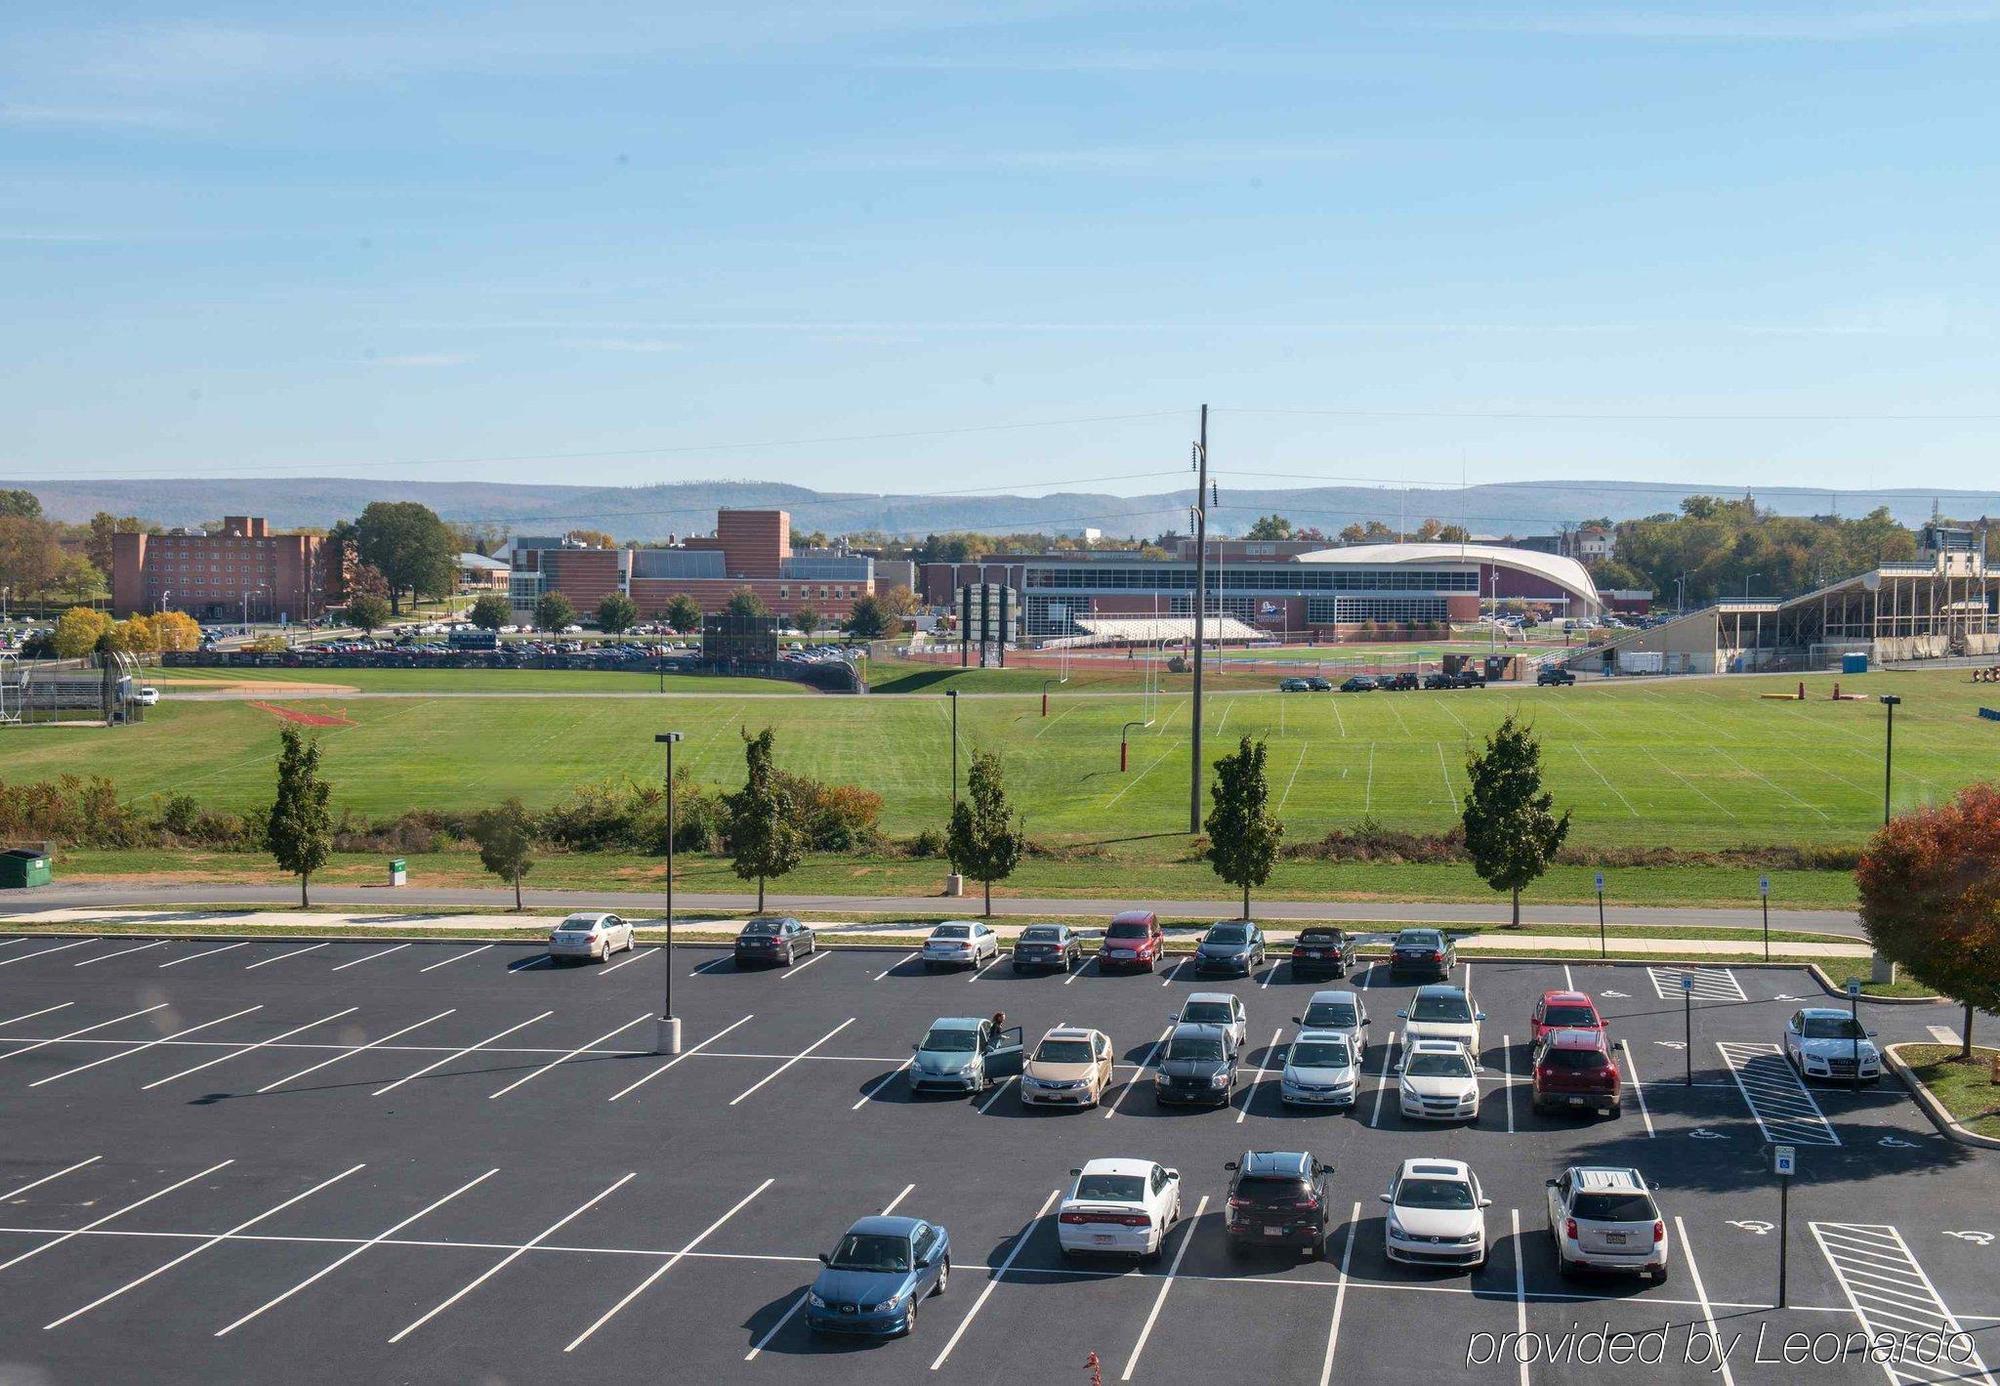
[1200,613]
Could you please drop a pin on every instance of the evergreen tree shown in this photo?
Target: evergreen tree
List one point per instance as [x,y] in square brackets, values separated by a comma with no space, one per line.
[1509,829]
[1243,835]
[301,826]
[985,839]
[764,837]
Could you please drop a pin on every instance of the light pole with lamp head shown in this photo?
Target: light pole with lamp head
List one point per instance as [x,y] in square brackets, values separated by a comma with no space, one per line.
[1880,968]
[1746,584]
[952,693]
[668,1038]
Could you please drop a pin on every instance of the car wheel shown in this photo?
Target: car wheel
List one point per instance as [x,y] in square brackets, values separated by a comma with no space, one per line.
[1660,1276]
[910,1320]
[1565,1267]
[944,1277]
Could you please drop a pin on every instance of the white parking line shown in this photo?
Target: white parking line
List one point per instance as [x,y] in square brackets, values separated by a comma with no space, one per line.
[350,1053]
[455,957]
[1710,983]
[9,943]
[711,963]
[631,957]
[1785,1109]
[1891,1295]
[796,968]
[342,967]
[1382,1082]
[340,1261]
[531,964]
[667,1265]
[979,972]
[1133,1081]
[44,952]
[433,1067]
[994,1096]
[557,1063]
[32,1014]
[58,1039]
[1269,973]
[1701,1293]
[104,957]
[310,948]
[1521,1292]
[206,953]
[198,1248]
[676,1059]
[1250,1093]
[1159,1300]
[515,1254]
[11,1194]
[1638,1086]
[89,1226]
[141,1048]
[211,1063]
[884,1081]
[1081,970]
[1569,982]
[792,1060]
[1339,1297]
[800,1302]
[878,977]
[1507,1077]
[994,1277]
[1174,972]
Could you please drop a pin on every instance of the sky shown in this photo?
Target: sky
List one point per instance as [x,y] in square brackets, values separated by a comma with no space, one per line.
[921,245]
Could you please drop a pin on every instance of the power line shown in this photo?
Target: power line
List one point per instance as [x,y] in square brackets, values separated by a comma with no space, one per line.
[1582,417]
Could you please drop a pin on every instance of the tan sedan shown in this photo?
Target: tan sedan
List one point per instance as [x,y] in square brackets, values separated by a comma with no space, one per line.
[1071,1067]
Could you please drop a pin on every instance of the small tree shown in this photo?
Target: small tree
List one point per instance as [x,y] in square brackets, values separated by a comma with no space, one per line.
[744,601]
[1509,830]
[683,613]
[301,826]
[1930,898]
[869,620]
[367,611]
[764,837]
[77,631]
[553,611]
[1243,834]
[617,613]
[985,839]
[807,620]
[491,612]
[506,838]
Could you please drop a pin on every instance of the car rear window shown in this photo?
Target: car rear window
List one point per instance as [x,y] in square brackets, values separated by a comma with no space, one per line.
[1582,1016]
[1580,1060]
[1126,931]
[1319,936]
[1334,1015]
[1063,1051]
[1265,1188]
[761,926]
[951,931]
[1419,940]
[578,926]
[1112,1188]
[1614,1207]
[1040,935]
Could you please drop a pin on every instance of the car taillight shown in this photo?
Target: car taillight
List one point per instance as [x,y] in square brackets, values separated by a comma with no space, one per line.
[1237,1205]
[1659,1232]
[1074,1219]
[1437,957]
[1569,1228]
[1136,1220]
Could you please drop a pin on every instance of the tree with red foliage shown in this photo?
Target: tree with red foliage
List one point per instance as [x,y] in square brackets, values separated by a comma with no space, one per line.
[1930,898]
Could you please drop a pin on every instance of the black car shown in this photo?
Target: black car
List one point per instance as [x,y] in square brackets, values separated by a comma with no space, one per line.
[1278,1198]
[1230,946]
[1198,1065]
[1400,683]
[1054,947]
[1360,683]
[1322,951]
[767,939]
[1319,685]
[1469,678]
[1436,681]
[1556,675]
[1294,686]
[1426,951]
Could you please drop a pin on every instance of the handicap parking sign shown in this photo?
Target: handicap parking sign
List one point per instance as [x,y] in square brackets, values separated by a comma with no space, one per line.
[1784,1160]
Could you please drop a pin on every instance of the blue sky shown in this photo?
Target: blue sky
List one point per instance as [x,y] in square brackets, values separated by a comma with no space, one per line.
[627,243]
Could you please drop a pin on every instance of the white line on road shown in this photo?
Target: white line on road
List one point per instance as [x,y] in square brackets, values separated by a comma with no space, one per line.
[1250,1093]
[43,1011]
[1269,973]
[1701,1293]
[667,1265]
[342,967]
[58,1039]
[37,1183]
[102,957]
[1133,1081]
[512,1256]
[1521,1291]
[1173,972]
[789,1062]
[282,956]
[1569,982]
[676,1059]
[1507,1078]
[340,1261]
[44,952]
[1081,970]
[1159,1300]
[998,1274]
[1339,1297]
[979,972]
[433,1067]
[796,968]
[878,977]
[1638,1087]
[557,1063]
[206,953]
[38,1250]
[141,1048]
[883,1082]
[1382,1082]
[211,1063]
[350,1053]
[994,1096]
[632,956]
[198,1248]
[1942,1035]
[455,957]
[711,963]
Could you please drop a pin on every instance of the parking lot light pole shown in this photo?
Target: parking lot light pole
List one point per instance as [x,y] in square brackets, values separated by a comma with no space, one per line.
[668,1037]
[1891,702]
[1687,1024]
[1854,1026]
[952,693]
[1764,890]
[1603,951]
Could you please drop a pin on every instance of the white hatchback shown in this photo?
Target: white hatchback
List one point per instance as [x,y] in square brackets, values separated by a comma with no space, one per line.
[593,936]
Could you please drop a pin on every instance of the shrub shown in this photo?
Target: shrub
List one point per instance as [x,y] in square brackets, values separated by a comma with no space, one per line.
[834,817]
[926,844]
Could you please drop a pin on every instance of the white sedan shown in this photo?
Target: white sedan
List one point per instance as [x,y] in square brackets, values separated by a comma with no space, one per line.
[593,936]
[1119,1208]
[1826,1042]
[1439,1082]
[1437,1215]
[960,943]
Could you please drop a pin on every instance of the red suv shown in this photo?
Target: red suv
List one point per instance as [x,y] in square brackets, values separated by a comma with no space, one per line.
[1133,940]
[1574,1069]
[1563,1010]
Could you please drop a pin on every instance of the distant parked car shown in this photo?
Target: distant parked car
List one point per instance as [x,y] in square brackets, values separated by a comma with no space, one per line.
[1551,674]
[960,943]
[1322,949]
[1294,686]
[964,1054]
[871,1282]
[1440,680]
[146,696]
[1199,1064]
[1278,1198]
[1319,685]
[1824,1042]
[1427,951]
[1048,946]
[1134,939]
[1575,1069]
[1604,1218]
[1231,945]
[1469,678]
[1360,683]
[1118,1208]
[593,936]
[774,940]
[1400,683]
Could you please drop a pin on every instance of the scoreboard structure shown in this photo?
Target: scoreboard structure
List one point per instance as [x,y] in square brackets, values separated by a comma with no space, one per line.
[989,616]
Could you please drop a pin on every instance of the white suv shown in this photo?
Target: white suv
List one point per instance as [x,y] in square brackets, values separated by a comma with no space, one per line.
[1604,1218]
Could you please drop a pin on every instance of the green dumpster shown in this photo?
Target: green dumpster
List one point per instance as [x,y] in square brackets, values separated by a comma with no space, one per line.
[21,867]
[398,871]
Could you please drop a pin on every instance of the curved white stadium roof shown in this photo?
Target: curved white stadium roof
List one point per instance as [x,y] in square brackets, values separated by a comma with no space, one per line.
[1565,573]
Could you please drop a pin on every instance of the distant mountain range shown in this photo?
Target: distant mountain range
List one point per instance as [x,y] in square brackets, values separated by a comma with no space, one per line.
[654,512]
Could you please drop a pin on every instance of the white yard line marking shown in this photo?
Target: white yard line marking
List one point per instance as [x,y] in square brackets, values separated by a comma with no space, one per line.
[1780,788]
[995,1276]
[994,1096]
[515,1254]
[211,1063]
[206,953]
[1701,1293]
[357,1049]
[1166,1284]
[282,956]
[1638,1087]
[1339,1298]
[794,1059]
[1521,1291]
[104,957]
[141,1048]
[1382,1082]
[1171,748]
[1368,792]
[1507,1077]
[338,1262]
[1250,1093]
[800,1302]
[1784,1107]
[1303,747]
[90,1226]
[459,1054]
[676,1059]
[1133,1081]
[11,1194]
[797,968]
[1173,972]
[58,1039]
[1688,782]
[896,964]
[883,1082]
[631,957]
[198,1248]
[581,1048]
[342,967]
[1449,792]
[1890,1294]
[43,1011]
[455,957]
[1607,783]
[44,952]
[667,1265]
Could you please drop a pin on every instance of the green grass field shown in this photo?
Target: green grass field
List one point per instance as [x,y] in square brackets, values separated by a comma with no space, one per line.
[1695,763]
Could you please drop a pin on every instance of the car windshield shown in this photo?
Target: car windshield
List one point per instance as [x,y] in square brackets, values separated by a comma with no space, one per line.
[1228,933]
[1614,1207]
[1575,1059]
[1333,1015]
[1195,1047]
[1063,1051]
[871,1253]
[1433,1193]
[1126,931]
[1419,941]
[951,931]
[1320,1054]
[1040,935]
[1571,1016]
[950,1041]
[1444,1008]
[1206,1012]
[760,926]
[1112,1188]
[1832,1027]
[1438,1066]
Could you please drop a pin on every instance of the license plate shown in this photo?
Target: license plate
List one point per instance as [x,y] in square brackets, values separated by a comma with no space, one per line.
[1102,1238]
[1576,1102]
[1615,1238]
[1274,1231]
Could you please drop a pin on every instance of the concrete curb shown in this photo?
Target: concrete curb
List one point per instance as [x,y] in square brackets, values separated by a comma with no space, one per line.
[1826,983]
[1934,1109]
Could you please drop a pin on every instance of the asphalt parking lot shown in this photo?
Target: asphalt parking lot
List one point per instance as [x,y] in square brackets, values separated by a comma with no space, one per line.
[250,1161]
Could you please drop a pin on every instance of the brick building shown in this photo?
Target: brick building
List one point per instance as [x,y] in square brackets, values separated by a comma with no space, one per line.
[242,570]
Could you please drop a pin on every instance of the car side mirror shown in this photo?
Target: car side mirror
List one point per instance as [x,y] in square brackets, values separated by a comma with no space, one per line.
[1479,1015]
[916,1044]
[1548,1183]
[1384,1197]
[1229,1164]
[1173,1174]
[1872,1034]
[1076,1171]
[1297,1021]
[823,1259]
[1486,1203]
[1402,1015]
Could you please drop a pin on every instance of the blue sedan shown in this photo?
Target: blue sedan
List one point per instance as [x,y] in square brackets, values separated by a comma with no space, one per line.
[872,1281]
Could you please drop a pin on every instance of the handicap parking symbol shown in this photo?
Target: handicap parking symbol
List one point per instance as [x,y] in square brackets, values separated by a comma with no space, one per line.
[1670,1044]
[1702,1133]
[1621,995]
[1894,1143]
[1976,1238]
[1752,1226]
